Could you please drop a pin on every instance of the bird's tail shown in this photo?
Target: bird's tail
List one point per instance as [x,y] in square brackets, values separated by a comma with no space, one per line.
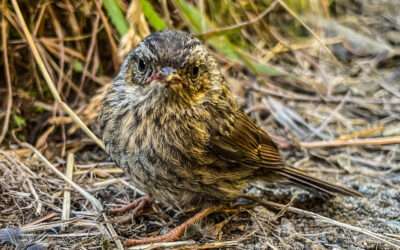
[309,182]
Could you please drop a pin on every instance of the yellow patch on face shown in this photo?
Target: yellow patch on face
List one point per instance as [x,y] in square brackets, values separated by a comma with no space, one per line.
[128,77]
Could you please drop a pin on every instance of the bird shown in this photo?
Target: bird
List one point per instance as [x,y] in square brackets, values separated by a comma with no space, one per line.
[171,123]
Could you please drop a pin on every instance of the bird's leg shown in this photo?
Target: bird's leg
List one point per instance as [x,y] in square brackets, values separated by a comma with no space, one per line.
[176,232]
[137,205]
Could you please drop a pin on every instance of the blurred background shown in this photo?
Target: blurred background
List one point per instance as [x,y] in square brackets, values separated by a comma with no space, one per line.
[315,74]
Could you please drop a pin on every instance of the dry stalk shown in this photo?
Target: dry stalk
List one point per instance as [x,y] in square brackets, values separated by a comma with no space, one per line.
[67,194]
[358,142]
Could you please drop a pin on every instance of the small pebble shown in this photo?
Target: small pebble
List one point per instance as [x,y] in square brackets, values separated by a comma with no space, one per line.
[287,227]
[392,193]
[299,245]
[354,248]
[364,190]
[165,230]
[390,214]
[394,224]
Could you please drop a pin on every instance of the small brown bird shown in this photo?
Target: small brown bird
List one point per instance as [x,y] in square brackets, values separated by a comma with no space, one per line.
[171,123]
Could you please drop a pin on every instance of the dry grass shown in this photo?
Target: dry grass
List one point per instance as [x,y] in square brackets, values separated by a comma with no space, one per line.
[323,82]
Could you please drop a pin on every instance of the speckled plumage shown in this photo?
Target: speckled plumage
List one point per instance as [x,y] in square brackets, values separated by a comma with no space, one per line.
[187,146]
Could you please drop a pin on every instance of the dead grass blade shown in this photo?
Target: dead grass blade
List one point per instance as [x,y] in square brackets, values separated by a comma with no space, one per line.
[66,209]
[358,142]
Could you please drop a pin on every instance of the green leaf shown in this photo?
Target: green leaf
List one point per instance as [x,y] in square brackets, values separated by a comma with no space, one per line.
[39,109]
[267,70]
[117,16]
[77,67]
[152,16]
[19,121]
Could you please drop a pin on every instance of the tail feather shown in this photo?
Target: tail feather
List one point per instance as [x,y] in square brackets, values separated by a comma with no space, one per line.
[308,181]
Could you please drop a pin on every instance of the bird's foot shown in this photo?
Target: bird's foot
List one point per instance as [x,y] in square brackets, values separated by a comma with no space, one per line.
[175,233]
[137,206]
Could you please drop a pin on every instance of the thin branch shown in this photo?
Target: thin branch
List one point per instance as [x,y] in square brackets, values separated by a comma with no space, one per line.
[329,118]
[359,142]
[211,33]
[114,54]
[67,194]
[89,54]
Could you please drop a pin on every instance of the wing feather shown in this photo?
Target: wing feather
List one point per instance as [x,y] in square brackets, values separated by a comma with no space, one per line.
[243,141]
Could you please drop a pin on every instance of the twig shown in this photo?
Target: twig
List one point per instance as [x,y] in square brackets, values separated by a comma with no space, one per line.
[48,79]
[163,244]
[337,99]
[118,180]
[114,54]
[240,25]
[52,46]
[363,133]
[36,196]
[45,218]
[60,82]
[67,194]
[89,54]
[380,237]
[329,118]
[283,210]
[200,5]
[389,88]
[55,224]
[359,142]
[166,15]
[7,72]
[218,245]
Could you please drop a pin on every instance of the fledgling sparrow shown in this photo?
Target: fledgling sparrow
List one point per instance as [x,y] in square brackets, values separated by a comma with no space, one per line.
[171,123]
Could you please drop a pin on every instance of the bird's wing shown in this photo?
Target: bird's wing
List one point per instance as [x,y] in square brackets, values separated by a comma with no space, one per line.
[241,140]
[244,142]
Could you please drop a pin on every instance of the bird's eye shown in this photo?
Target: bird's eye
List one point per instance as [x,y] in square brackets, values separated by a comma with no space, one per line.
[195,72]
[141,65]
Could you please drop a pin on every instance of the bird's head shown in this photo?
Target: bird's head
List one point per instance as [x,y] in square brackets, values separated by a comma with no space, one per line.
[169,65]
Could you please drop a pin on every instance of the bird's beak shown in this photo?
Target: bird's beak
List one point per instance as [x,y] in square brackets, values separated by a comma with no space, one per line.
[168,76]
